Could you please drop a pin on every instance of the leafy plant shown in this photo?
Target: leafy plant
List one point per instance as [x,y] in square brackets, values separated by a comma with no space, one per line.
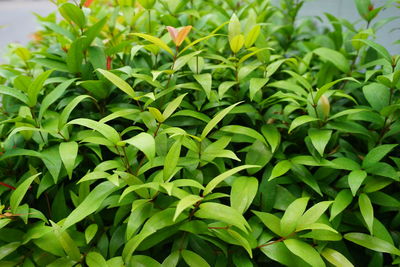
[200,133]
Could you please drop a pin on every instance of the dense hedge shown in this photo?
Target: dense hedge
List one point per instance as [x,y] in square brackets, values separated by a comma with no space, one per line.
[200,133]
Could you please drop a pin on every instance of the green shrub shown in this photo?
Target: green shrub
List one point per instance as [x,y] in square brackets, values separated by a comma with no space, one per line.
[200,133]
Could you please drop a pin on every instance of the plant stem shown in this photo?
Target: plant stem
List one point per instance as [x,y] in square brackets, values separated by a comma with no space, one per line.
[149,17]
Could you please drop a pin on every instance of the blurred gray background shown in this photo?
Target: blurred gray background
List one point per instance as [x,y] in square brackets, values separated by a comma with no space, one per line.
[17,21]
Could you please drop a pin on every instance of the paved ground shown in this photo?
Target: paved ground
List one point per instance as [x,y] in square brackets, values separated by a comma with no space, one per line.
[17,20]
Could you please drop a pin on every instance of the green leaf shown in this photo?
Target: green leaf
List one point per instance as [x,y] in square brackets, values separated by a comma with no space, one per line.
[376,154]
[95,259]
[355,179]
[313,214]
[373,243]
[36,86]
[185,203]
[68,110]
[292,215]
[336,258]
[214,121]
[280,169]
[252,35]
[319,139]
[256,84]
[258,154]
[341,202]
[327,86]
[68,154]
[107,131]
[335,57]
[236,43]
[157,41]
[224,87]
[220,178]
[226,214]
[117,81]
[53,96]
[234,27]
[145,143]
[145,261]
[244,190]
[378,48]
[238,129]
[305,252]
[272,135]
[193,259]
[171,159]
[300,121]
[75,55]
[69,246]
[73,14]
[19,193]
[4,90]
[377,95]
[205,80]
[172,106]
[9,248]
[367,211]
[271,221]
[90,232]
[94,31]
[90,204]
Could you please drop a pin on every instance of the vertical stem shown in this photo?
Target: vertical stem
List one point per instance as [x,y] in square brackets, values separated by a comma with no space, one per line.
[149,16]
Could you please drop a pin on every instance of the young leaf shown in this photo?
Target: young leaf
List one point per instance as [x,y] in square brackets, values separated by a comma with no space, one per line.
[157,41]
[252,36]
[236,43]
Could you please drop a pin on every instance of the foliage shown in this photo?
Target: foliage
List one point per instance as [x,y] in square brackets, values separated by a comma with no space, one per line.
[200,133]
